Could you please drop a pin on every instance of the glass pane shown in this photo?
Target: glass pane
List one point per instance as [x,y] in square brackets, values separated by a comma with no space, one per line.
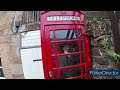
[52,48]
[82,47]
[80,34]
[66,34]
[67,47]
[51,36]
[69,60]
[1,73]
[83,70]
[83,58]
[55,74]
[70,72]
[54,62]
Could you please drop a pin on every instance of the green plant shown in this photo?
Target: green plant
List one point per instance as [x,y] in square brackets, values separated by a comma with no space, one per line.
[106,43]
[108,51]
[100,18]
[113,54]
[90,32]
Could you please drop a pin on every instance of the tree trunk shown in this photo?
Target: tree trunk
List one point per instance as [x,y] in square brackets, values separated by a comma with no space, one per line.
[115,30]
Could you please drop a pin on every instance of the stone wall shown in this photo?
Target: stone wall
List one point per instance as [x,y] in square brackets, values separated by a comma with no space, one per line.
[9,46]
[99,28]
[10,43]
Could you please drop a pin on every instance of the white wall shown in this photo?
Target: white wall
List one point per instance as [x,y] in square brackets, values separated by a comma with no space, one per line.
[32,69]
[31,38]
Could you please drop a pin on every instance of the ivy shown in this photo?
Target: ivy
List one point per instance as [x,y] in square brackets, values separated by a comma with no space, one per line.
[106,43]
[114,55]
[108,51]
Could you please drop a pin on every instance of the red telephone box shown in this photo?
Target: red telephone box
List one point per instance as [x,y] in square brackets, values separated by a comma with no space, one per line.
[65,45]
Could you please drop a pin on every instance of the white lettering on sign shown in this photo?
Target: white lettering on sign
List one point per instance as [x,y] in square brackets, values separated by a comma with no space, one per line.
[58,18]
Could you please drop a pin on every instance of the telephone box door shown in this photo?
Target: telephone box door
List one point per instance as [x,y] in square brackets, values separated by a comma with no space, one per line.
[67,49]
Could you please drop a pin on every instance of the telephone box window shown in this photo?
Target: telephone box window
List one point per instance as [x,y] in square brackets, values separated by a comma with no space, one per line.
[80,34]
[55,74]
[83,70]
[66,34]
[54,62]
[69,60]
[68,53]
[83,61]
[67,47]
[82,46]
[70,72]
[52,48]
[51,36]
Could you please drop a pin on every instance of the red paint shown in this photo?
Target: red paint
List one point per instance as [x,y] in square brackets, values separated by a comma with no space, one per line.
[47,26]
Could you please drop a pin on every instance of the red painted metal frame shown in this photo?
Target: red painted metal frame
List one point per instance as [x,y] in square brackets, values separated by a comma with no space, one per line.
[46,26]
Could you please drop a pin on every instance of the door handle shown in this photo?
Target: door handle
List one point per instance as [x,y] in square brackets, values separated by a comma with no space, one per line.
[50,73]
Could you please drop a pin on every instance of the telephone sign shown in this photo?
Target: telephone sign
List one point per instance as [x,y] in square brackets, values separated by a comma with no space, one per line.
[58,18]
